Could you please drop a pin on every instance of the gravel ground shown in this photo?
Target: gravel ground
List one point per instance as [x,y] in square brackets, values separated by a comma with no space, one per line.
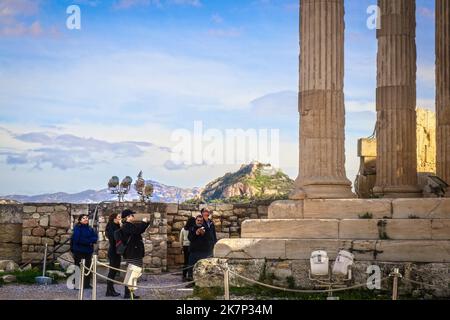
[61,292]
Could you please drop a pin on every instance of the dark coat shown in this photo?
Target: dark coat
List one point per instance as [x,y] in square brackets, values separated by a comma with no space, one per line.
[83,239]
[111,227]
[211,235]
[132,234]
[199,244]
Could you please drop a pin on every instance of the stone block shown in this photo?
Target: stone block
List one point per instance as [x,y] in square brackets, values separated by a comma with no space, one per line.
[359,229]
[29,209]
[171,208]
[43,222]
[10,233]
[432,208]
[286,209]
[60,220]
[440,229]
[45,209]
[30,223]
[291,229]
[302,249]
[413,251]
[38,232]
[31,240]
[347,208]
[250,248]
[11,251]
[79,209]
[11,214]
[139,216]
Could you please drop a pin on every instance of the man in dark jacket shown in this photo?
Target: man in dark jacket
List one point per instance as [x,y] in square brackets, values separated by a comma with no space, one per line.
[210,229]
[114,258]
[83,239]
[132,236]
[199,244]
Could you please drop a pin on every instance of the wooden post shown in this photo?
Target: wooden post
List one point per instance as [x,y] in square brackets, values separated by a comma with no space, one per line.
[226,284]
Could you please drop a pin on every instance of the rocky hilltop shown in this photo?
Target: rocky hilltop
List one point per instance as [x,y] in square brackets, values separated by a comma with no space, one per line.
[252,181]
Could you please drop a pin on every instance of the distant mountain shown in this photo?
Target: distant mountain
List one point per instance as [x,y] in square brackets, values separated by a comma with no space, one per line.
[252,181]
[162,193]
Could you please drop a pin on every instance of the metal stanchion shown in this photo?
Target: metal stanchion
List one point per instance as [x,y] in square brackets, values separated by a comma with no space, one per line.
[396,274]
[227,283]
[94,277]
[82,264]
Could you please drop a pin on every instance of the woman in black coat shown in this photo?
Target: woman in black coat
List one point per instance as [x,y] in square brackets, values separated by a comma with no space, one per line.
[132,235]
[114,259]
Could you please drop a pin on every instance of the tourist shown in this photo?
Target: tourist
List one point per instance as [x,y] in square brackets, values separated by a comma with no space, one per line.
[114,258]
[184,240]
[210,229]
[135,251]
[199,244]
[82,245]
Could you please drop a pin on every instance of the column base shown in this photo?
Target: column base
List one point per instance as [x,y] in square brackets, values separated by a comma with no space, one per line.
[322,192]
[398,192]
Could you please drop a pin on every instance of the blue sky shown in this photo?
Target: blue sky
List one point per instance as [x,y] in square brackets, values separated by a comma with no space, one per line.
[77,106]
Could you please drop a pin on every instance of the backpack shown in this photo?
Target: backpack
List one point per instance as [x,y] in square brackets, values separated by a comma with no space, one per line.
[121,244]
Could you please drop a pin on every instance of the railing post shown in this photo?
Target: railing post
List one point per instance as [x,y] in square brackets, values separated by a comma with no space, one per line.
[396,274]
[226,284]
[82,264]
[94,277]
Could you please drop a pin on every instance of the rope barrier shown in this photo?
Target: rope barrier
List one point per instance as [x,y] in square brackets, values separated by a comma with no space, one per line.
[301,291]
[143,287]
[424,284]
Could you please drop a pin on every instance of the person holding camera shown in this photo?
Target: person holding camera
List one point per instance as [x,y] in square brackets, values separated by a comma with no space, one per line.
[135,251]
[82,245]
[210,231]
[199,244]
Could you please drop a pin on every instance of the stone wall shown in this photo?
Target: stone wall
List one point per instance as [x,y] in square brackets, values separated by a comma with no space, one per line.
[11,232]
[227,219]
[25,229]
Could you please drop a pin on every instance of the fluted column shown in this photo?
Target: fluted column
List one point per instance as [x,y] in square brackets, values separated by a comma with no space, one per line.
[396,100]
[321,102]
[443,89]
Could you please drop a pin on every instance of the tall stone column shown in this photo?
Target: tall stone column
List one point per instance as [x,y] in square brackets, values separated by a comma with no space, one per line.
[443,89]
[396,100]
[321,102]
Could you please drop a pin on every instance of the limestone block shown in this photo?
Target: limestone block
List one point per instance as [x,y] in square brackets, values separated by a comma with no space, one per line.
[38,232]
[440,229]
[11,233]
[359,229]
[60,220]
[413,251]
[79,209]
[171,208]
[30,223]
[250,248]
[347,208]
[11,214]
[45,209]
[29,209]
[43,222]
[435,208]
[400,229]
[302,249]
[139,216]
[291,229]
[11,251]
[286,209]
[31,240]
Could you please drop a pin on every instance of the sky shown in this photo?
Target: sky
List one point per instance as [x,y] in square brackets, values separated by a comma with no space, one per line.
[80,105]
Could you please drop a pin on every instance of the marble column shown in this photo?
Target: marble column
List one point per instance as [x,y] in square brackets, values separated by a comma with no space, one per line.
[396,101]
[321,102]
[443,89]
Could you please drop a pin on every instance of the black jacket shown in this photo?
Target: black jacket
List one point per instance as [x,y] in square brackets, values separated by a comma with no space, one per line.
[111,227]
[198,243]
[132,234]
[210,229]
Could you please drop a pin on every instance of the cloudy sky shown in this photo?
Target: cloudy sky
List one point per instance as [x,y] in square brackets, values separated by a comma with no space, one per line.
[78,106]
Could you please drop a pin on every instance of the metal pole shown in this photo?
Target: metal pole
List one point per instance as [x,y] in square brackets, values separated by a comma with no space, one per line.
[82,264]
[94,277]
[395,284]
[227,283]
[45,260]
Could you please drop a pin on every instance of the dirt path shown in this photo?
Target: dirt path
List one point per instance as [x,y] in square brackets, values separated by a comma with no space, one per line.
[61,292]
